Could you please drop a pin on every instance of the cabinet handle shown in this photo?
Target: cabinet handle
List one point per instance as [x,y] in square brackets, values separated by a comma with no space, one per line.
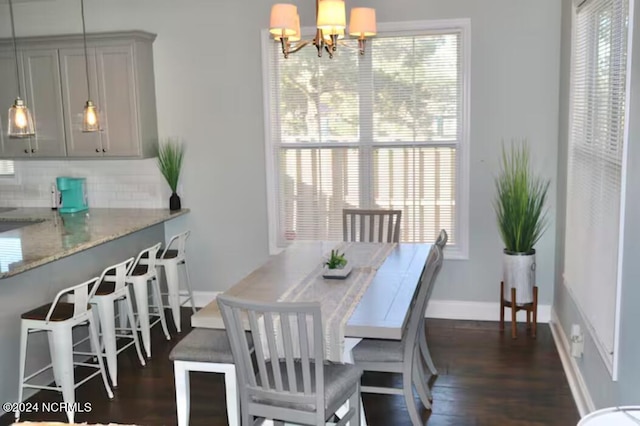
[97,149]
[26,151]
[104,150]
[33,150]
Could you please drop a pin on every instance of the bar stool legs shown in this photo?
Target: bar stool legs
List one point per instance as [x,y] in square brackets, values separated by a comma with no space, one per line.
[172,275]
[141,292]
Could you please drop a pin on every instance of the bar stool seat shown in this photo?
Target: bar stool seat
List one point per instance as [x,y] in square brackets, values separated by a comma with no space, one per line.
[63,311]
[58,319]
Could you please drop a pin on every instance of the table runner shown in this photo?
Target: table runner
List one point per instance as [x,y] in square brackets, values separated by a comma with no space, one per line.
[339,297]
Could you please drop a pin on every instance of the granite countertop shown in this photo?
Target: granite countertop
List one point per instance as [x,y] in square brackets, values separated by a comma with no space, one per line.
[53,236]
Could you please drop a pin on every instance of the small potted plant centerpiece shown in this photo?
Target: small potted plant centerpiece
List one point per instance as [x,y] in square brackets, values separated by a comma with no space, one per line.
[170,156]
[520,203]
[336,266]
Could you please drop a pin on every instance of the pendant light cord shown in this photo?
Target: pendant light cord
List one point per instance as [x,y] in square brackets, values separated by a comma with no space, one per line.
[86,57]
[15,47]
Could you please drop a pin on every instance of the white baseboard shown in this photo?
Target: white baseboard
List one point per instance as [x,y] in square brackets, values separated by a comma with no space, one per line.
[479,311]
[578,387]
[445,309]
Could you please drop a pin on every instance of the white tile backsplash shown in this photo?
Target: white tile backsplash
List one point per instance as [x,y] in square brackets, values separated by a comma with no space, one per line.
[110,183]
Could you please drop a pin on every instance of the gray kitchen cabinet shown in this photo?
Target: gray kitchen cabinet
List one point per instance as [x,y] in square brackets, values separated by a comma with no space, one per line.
[40,80]
[44,99]
[122,86]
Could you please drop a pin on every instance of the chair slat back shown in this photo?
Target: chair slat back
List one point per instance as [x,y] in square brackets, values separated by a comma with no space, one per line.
[151,253]
[372,226]
[79,295]
[430,272]
[288,344]
[178,242]
[121,270]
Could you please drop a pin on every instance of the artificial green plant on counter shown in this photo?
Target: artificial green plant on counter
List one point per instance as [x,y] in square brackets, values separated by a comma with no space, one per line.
[170,157]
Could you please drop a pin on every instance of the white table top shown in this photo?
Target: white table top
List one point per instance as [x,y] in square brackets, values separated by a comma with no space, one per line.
[380,314]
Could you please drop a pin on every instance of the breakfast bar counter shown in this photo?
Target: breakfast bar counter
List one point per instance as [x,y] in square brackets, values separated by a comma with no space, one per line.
[53,236]
[43,252]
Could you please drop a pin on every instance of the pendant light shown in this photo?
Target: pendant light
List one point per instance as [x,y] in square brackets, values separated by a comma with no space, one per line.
[90,118]
[20,120]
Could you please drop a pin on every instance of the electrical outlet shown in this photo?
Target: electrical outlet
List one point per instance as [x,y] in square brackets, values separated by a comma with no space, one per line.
[577,341]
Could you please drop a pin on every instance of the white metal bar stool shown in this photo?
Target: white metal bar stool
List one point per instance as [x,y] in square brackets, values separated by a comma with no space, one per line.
[173,255]
[58,319]
[113,288]
[139,276]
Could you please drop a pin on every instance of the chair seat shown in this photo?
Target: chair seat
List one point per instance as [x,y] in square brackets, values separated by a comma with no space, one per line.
[170,254]
[204,345]
[137,271]
[378,350]
[105,288]
[62,312]
[339,383]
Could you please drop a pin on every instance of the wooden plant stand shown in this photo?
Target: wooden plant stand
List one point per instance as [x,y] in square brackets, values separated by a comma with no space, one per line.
[529,307]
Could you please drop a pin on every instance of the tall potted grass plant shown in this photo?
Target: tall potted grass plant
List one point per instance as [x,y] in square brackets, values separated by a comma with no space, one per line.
[520,206]
[170,157]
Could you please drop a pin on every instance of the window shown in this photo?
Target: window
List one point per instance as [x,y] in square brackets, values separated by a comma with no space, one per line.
[6,168]
[383,130]
[596,167]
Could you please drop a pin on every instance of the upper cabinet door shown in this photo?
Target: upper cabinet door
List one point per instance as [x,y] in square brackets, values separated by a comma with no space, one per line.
[74,96]
[118,100]
[9,147]
[44,99]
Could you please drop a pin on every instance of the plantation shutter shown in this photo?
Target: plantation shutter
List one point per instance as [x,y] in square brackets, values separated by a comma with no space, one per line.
[381,130]
[595,171]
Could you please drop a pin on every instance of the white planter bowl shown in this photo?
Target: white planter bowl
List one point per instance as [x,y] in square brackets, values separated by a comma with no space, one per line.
[338,273]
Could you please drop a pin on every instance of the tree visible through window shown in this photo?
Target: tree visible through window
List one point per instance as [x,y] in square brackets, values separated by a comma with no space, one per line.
[383,130]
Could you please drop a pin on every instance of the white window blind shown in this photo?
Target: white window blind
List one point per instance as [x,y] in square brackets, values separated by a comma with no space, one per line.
[6,168]
[595,170]
[383,130]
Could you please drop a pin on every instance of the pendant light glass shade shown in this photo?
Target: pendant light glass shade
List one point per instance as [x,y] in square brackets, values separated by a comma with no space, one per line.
[20,120]
[90,117]
[90,120]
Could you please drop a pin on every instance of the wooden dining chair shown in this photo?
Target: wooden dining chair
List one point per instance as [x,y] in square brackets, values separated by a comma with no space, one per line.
[373,226]
[393,356]
[441,242]
[287,379]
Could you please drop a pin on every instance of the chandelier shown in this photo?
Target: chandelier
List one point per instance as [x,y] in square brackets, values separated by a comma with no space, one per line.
[330,23]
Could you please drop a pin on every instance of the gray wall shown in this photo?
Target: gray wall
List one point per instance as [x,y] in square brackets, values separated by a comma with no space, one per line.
[209,91]
[602,389]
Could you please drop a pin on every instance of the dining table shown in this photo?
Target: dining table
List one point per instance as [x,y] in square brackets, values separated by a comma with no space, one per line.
[379,311]
[372,302]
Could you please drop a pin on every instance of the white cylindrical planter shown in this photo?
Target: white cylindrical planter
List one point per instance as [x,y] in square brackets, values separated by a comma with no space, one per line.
[519,272]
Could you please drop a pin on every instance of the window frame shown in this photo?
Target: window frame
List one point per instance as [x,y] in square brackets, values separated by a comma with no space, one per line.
[459,251]
[609,359]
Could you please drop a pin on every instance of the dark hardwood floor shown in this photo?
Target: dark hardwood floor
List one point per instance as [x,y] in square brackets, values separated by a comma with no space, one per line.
[486,378]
